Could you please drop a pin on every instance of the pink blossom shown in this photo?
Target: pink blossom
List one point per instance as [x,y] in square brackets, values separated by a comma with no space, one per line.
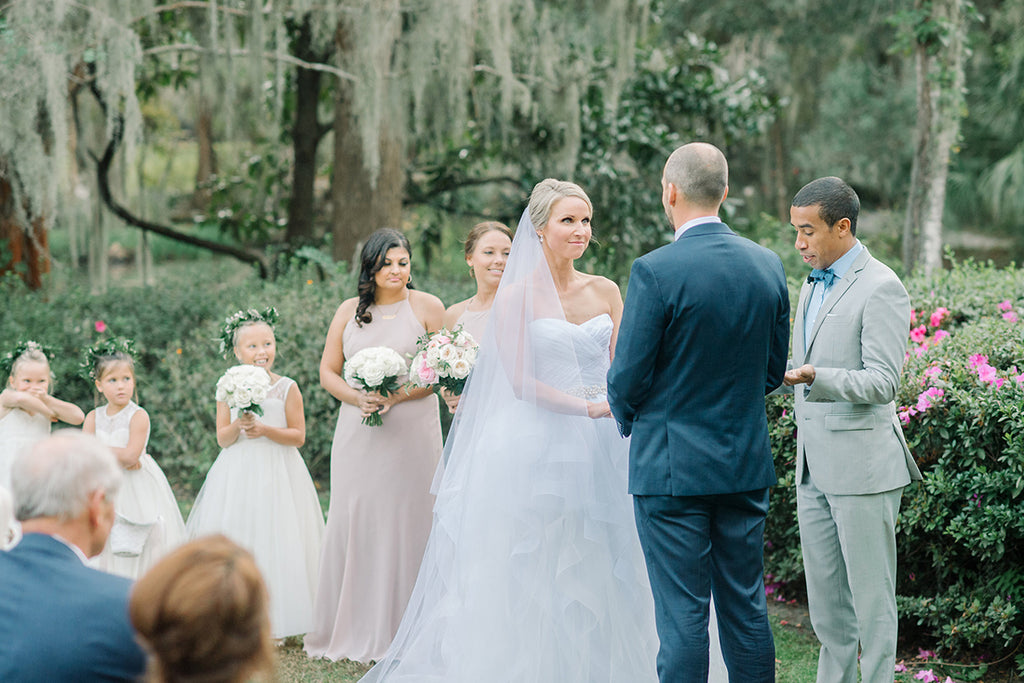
[976,360]
[1010,316]
[925,654]
[929,397]
[913,316]
[1019,379]
[940,335]
[905,415]
[100,326]
[940,314]
[1005,305]
[926,675]
[900,667]
[783,412]
[919,350]
[999,381]
[426,374]
[986,373]
[918,334]
[933,371]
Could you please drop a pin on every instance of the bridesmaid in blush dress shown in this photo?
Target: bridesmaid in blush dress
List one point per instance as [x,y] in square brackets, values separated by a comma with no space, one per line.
[487,248]
[380,509]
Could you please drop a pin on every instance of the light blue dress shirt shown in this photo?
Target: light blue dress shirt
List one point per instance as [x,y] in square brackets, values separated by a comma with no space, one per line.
[819,291]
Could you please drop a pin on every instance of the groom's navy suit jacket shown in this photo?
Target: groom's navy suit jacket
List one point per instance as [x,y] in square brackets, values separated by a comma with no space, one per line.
[704,336]
[61,620]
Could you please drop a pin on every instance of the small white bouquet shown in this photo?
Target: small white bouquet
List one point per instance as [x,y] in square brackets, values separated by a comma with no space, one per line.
[375,369]
[244,388]
[444,359]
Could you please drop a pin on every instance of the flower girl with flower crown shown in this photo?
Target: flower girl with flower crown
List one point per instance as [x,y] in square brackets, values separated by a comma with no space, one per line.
[147,521]
[27,408]
[258,492]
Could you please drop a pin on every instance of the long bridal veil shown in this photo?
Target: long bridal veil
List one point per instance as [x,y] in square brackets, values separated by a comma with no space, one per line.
[533,571]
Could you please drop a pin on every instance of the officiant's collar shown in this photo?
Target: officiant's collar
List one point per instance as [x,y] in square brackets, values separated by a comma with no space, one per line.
[695,222]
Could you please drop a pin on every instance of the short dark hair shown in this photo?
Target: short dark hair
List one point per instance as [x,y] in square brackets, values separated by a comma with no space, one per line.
[834,198]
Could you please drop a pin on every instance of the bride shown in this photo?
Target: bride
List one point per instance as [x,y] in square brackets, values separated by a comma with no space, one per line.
[533,571]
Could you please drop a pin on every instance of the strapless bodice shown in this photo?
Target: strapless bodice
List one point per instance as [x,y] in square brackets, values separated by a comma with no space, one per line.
[573,358]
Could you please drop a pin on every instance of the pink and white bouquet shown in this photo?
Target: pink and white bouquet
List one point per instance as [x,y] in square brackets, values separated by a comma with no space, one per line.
[376,368]
[444,359]
[244,388]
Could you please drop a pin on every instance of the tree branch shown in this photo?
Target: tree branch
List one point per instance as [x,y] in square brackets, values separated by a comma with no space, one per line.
[103,180]
[241,52]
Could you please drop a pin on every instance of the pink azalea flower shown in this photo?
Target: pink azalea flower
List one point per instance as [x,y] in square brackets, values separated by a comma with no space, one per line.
[986,373]
[904,416]
[1010,316]
[926,675]
[100,326]
[940,335]
[1019,379]
[918,334]
[783,412]
[999,382]
[932,372]
[976,360]
[900,667]
[940,314]
[919,351]
[1005,305]
[913,316]
[925,654]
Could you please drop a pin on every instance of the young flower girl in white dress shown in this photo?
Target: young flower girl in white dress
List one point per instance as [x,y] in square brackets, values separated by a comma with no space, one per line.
[258,492]
[147,522]
[26,407]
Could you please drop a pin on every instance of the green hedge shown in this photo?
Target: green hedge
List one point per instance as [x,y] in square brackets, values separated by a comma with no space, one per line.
[961,530]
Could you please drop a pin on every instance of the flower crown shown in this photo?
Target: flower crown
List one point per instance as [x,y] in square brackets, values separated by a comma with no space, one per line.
[7,361]
[240,319]
[105,348]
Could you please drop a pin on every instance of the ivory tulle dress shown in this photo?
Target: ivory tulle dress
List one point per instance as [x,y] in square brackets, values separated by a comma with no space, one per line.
[379,517]
[19,430]
[148,522]
[534,571]
[259,494]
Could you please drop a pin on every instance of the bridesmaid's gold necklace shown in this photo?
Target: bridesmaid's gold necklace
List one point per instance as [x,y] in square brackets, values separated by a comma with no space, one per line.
[391,312]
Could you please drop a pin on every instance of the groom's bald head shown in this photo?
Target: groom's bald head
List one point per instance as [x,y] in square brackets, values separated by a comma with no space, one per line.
[700,173]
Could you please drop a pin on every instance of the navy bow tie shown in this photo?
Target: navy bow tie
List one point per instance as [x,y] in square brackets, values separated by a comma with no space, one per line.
[826,276]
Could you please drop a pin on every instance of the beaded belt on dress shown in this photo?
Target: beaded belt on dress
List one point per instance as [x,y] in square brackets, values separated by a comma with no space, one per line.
[589,391]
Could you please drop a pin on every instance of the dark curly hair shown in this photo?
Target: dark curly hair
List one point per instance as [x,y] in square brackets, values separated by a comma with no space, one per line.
[371,261]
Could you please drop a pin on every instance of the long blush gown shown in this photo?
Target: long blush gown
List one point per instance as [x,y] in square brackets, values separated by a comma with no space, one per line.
[380,510]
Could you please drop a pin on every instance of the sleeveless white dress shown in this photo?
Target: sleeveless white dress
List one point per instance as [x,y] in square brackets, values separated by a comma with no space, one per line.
[148,523]
[19,431]
[534,571]
[259,494]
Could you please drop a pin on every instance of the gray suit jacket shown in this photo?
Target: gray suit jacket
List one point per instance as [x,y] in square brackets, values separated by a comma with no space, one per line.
[847,429]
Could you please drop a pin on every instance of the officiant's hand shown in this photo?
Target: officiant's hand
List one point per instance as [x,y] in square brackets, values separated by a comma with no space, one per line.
[801,375]
[598,410]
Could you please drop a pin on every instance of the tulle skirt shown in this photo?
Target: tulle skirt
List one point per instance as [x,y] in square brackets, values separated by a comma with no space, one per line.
[259,494]
[145,498]
[533,571]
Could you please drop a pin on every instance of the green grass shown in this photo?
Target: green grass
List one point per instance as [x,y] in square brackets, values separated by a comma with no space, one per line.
[796,652]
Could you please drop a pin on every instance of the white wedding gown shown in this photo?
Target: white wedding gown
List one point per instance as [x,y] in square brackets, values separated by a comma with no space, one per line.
[533,572]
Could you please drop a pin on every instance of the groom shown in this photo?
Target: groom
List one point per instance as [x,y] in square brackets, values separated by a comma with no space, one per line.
[704,336]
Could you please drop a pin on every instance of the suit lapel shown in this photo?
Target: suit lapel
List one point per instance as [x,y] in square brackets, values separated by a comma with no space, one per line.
[799,350]
[838,290]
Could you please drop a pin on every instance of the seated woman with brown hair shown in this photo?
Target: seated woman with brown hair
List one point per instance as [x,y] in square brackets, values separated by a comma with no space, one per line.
[202,615]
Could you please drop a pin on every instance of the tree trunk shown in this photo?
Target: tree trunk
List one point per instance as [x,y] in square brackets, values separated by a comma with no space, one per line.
[361,202]
[940,81]
[207,167]
[28,247]
[306,135]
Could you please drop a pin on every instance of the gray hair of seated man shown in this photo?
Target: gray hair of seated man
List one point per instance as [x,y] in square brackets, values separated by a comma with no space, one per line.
[56,477]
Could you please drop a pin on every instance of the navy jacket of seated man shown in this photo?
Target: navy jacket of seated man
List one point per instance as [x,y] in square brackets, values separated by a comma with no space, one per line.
[61,620]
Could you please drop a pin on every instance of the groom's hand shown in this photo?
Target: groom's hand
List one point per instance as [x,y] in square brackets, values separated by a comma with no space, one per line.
[801,375]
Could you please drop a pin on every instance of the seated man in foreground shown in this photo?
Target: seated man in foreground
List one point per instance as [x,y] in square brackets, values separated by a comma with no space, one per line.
[61,620]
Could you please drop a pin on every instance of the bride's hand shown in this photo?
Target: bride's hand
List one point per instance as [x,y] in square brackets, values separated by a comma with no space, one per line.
[598,410]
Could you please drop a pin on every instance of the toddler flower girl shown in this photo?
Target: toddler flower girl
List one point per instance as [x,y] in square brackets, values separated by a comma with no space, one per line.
[26,407]
[147,521]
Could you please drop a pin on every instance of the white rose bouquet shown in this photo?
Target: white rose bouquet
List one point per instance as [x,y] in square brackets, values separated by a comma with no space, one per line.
[375,369]
[244,387]
[444,359]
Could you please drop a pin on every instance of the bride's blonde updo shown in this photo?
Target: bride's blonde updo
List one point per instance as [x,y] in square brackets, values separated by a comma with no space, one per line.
[546,193]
